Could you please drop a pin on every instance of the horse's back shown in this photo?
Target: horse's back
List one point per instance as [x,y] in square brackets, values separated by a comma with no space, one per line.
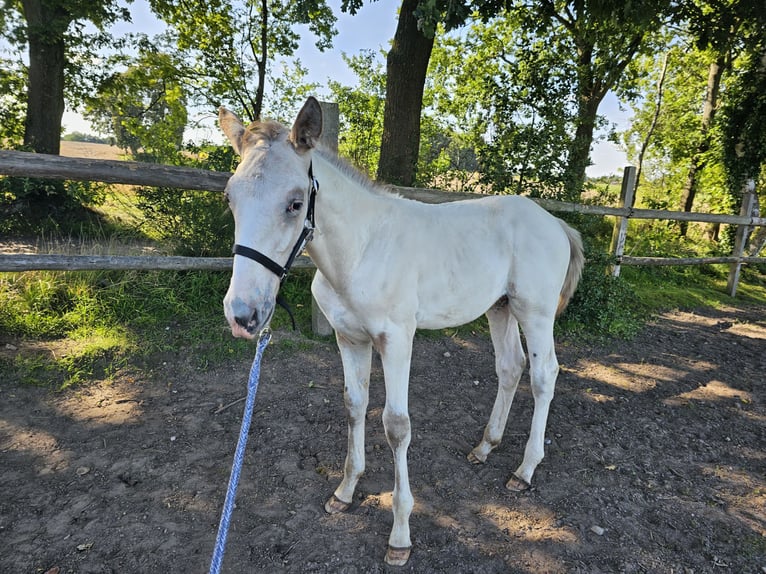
[466,255]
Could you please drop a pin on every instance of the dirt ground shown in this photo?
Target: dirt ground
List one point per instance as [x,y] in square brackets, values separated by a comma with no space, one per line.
[656,462]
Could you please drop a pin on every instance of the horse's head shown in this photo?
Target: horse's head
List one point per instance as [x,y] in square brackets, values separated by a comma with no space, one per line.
[268,195]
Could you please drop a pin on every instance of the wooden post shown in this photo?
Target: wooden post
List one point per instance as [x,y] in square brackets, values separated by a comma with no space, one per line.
[329,139]
[620,231]
[748,199]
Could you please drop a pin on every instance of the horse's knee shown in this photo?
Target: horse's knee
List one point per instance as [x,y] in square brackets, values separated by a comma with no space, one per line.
[356,405]
[397,428]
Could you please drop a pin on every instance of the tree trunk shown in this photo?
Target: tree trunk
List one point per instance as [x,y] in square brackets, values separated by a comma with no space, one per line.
[715,71]
[652,127]
[406,67]
[264,58]
[47,60]
[579,149]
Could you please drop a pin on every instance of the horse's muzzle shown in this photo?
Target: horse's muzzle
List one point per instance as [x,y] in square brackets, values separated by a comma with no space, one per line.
[246,321]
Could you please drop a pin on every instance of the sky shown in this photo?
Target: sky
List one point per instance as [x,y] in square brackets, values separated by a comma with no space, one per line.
[370,29]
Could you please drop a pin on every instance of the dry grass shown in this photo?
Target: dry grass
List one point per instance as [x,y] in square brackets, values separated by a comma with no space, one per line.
[91,150]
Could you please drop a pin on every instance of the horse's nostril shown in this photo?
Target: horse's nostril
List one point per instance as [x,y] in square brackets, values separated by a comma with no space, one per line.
[246,322]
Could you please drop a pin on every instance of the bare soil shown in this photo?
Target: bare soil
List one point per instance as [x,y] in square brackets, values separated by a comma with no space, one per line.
[655,462]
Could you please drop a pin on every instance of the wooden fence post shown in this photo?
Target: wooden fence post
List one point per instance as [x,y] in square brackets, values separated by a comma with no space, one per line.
[329,139]
[620,231]
[748,200]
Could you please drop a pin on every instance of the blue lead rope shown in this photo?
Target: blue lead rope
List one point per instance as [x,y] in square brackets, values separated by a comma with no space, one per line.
[239,454]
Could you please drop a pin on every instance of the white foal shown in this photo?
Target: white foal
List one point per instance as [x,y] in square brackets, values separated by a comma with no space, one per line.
[387,266]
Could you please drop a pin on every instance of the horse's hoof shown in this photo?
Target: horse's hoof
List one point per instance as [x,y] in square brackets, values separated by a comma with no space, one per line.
[473,458]
[516,484]
[335,505]
[397,556]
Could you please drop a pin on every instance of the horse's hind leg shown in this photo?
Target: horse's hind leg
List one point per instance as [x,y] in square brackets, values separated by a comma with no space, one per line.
[543,370]
[509,363]
[356,359]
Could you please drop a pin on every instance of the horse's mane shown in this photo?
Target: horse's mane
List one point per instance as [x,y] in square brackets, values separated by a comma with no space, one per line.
[270,131]
[354,174]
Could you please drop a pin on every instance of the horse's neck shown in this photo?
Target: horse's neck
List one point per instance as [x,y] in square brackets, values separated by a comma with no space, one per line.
[346,216]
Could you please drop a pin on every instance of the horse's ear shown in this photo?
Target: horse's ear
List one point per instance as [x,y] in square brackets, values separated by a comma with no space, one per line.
[233,128]
[308,126]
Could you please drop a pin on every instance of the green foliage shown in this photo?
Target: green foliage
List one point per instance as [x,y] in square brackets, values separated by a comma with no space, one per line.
[744,122]
[603,306]
[12,107]
[526,86]
[227,47]
[143,108]
[361,111]
[288,88]
[191,222]
[32,205]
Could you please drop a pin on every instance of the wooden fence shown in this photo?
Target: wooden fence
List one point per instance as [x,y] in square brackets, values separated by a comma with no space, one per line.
[23,164]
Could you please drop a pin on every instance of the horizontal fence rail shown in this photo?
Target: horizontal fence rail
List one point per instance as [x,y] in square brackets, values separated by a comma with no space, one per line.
[29,262]
[25,164]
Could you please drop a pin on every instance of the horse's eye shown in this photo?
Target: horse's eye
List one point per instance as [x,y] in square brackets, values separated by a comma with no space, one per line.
[295,206]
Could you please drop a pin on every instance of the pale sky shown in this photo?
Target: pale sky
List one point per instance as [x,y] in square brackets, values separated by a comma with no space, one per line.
[370,29]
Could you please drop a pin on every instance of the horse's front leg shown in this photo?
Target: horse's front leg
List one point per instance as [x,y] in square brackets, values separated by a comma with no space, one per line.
[395,349]
[356,359]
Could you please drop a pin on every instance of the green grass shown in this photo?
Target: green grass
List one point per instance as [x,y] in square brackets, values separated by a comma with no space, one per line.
[689,287]
[89,324]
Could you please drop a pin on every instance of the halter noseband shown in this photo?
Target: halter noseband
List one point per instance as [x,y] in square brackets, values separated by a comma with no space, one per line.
[307,234]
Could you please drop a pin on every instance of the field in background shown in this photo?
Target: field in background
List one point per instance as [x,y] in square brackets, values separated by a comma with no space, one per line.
[91,150]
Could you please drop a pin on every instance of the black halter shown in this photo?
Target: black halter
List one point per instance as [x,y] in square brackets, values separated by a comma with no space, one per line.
[307,234]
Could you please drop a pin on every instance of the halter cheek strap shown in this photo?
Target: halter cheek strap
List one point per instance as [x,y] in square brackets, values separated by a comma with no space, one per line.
[307,234]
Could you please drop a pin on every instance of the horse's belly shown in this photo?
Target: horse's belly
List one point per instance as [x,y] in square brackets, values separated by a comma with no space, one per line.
[447,310]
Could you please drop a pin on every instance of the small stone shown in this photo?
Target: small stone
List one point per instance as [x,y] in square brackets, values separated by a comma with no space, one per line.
[597,530]
[9,347]
[447,354]
[476,383]
[82,470]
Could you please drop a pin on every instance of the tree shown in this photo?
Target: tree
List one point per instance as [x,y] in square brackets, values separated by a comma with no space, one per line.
[744,134]
[652,125]
[725,30]
[143,108]
[52,30]
[406,67]
[592,40]
[596,41]
[361,111]
[51,51]
[230,44]
[665,133]
[509,100]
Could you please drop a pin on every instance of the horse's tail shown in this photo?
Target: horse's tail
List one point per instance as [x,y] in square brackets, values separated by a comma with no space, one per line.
[574,271]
